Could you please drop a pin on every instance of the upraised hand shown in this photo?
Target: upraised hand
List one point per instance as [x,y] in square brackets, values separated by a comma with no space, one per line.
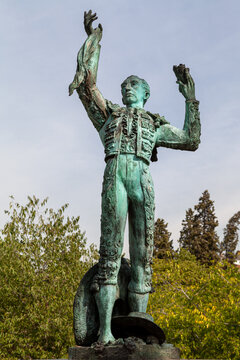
[88,20]
[185,81]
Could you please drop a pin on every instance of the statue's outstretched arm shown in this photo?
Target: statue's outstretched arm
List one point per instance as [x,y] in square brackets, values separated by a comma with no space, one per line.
[86,74]
[188,138]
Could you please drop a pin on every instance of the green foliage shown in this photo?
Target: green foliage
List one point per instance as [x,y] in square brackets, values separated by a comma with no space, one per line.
[190,231]
[43,256]
[198,234]
[198,307]
[230,239]
[163,247]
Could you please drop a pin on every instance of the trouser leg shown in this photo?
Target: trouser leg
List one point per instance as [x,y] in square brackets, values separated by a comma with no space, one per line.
[141,226]
[140,262]
[113,221]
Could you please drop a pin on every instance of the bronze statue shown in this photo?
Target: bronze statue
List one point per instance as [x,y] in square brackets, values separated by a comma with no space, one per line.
[130,136]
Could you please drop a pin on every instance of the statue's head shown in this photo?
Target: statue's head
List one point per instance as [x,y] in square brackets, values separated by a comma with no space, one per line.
[135,91]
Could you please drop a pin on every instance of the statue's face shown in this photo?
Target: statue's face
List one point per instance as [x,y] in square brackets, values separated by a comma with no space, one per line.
[133,92]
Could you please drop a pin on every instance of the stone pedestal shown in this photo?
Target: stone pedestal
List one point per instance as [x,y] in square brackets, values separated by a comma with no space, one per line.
[125,352]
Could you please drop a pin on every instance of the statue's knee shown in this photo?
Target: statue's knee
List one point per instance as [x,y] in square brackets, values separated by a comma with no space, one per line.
[107,273]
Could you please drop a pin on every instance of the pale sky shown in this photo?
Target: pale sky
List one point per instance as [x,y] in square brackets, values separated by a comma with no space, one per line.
[48,145]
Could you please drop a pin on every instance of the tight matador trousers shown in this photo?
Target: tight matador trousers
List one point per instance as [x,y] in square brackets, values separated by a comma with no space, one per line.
[127,189]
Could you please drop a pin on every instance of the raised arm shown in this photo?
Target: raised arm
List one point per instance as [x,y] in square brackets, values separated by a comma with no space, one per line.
[188,138]
[86,74]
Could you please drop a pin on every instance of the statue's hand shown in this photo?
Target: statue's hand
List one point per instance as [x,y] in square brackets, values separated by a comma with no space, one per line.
[88,20]
[185,81]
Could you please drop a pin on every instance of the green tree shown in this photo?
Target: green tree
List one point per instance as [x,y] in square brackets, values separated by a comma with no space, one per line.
[230,240]
[208,239]
[190,232]
[197,306]
[163,247]
[198,234]
[43,257]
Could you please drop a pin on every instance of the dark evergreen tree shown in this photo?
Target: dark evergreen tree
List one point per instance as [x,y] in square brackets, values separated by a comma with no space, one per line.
[190,233]
[198,234]
[163,247]
[230,239]
[208,241]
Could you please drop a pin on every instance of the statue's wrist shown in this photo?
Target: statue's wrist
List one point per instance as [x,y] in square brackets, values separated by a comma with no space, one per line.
[193,100]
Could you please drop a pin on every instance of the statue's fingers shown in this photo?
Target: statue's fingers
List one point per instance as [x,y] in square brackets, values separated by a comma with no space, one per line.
[86,14]
[85,17]
[93,19]
[180,83]
[100,27]
[92,16]
[89,14]
[187,74]
[192,82]
[90,22]
[181,87]
[175,71]
[189,79]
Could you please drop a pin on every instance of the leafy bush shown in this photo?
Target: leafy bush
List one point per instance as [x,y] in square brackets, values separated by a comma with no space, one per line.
[43,257]
[198,307]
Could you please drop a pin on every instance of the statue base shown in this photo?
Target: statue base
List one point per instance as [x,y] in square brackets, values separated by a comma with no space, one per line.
[129,351]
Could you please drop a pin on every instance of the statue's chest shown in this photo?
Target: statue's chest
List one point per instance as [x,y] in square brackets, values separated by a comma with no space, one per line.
[129,133]
[129,125]
[129,129]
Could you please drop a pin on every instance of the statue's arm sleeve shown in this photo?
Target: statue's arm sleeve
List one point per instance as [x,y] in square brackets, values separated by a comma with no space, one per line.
[186,139]
[85,81]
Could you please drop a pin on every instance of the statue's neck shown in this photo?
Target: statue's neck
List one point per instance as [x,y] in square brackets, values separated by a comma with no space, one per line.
[135,106]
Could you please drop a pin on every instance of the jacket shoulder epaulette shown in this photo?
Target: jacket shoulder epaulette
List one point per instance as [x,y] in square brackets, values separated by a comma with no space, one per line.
[158,120]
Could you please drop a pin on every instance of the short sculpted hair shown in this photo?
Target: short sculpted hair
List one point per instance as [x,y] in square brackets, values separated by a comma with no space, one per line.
[144,84]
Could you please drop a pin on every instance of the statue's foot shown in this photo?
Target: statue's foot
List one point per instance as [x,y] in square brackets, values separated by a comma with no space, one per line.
[106,339]
[119,341]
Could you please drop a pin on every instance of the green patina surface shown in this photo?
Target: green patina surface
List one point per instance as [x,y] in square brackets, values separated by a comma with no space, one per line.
[130,136]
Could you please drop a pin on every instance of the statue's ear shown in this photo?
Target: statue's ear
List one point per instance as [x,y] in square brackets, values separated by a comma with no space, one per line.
[147,95]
